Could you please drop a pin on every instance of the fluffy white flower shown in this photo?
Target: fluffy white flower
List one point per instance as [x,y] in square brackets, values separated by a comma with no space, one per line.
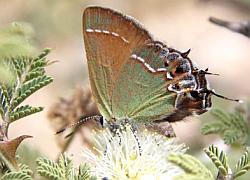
[128,155]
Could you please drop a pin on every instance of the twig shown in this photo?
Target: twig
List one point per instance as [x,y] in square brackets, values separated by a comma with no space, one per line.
[239,27]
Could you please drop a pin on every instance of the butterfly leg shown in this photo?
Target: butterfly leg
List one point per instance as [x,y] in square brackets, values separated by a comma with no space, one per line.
[116,131]
[106,149]
[134,131]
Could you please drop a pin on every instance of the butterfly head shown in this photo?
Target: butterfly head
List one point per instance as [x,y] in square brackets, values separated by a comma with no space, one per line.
[198,100]
[193,93]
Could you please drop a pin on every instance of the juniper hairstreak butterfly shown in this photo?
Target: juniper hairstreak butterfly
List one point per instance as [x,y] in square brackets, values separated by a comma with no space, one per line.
[136,78]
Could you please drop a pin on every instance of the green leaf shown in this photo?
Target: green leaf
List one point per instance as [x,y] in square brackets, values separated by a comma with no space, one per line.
[66,164]
[49,169]
[193,168]
[45,52]
[20,64]
[218,158]
[83,173]
[16,175]
[34,74]
[213,128]
[25,168]
[30,87]
[24,111]
[29,77]
[221,116]
[232,126]
[63,170]
[242,166]
[231,136]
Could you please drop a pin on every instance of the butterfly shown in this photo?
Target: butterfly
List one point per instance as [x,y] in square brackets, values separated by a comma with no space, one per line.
[136,78]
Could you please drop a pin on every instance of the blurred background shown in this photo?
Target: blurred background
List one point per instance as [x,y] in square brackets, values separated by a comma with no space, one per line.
[180,24]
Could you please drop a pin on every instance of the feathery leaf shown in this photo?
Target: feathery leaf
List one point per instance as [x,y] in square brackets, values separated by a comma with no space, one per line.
[232,126]
[193,168]
[63,170]
[242,166]
[16,175]
[219,159]
[24,111]
[49,169]
[29,88]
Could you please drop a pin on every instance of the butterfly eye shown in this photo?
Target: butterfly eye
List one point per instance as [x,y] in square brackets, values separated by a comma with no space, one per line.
[194,94]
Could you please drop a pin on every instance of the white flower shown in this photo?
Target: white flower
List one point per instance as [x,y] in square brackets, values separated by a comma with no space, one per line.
[120,157]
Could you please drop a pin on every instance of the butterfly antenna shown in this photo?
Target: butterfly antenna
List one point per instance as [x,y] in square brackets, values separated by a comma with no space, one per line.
[223,97]
[82,120]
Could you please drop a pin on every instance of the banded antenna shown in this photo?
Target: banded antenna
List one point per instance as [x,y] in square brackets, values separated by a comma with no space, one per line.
[82,120]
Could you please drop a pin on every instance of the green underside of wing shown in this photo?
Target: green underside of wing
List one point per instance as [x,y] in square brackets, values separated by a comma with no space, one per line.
[100,83]
[141,95]
[137,94]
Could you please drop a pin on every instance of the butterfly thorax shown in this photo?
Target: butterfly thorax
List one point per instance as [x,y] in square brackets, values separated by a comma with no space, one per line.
[116,125]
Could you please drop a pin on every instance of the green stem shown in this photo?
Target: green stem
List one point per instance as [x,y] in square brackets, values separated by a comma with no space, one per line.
[4,131]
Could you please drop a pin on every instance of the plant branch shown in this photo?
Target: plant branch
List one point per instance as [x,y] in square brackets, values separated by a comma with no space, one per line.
[239,27]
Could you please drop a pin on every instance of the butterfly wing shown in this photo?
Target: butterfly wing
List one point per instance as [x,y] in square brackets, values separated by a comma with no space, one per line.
[123,68]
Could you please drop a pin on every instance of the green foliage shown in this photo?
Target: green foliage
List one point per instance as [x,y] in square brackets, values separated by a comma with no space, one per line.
[16,175]
[21,74]
[242,166]
[219,159]
[232,126]
[30,76]
[193,168]
[23,174]
[83,173]
[23,111]
[62,170]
